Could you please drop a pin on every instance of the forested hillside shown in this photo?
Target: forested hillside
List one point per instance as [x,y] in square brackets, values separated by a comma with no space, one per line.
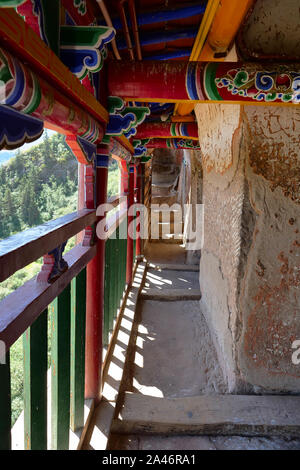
[36,184]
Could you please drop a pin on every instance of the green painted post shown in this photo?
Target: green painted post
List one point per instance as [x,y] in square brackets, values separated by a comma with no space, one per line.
[134,239]
[78,318]
[112,268]
[111,287]
[60,370]
[106,293]
[115,284]
[35,347]
[5,405]
[118,291]
[124,257]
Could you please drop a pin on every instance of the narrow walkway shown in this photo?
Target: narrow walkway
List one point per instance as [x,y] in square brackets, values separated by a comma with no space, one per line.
[175,356]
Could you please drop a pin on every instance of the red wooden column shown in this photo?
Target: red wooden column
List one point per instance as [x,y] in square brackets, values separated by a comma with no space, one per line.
[124,177]
[95,289]
[138,213]
[130,199]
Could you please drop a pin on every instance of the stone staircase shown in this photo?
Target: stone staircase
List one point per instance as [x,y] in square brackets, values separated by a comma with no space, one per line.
[166,226]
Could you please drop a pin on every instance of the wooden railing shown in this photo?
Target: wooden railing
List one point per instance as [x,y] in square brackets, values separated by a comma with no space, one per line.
[115,274]
[26,311]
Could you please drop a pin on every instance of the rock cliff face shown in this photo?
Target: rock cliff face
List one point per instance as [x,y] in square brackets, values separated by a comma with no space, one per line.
[250,261]
[249,269]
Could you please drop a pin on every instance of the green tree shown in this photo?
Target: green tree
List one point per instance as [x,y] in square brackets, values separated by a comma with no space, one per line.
[29,209]
[10,218]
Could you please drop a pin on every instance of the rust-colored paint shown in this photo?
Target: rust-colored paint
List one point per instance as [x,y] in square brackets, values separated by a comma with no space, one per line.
[269,337]
[274,148]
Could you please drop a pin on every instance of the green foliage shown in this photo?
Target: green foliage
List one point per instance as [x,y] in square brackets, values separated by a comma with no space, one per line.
[36,184]
[113,178]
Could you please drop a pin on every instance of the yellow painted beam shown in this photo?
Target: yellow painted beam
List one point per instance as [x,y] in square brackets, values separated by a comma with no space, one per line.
[205,25]
[217,31]
[188,118]
[194,102]
[225,26]
[125,142]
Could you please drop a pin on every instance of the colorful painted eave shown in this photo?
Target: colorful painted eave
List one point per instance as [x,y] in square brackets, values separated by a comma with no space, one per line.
[125,142]
[22,41]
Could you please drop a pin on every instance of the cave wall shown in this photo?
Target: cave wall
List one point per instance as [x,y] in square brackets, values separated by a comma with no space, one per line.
[249,267]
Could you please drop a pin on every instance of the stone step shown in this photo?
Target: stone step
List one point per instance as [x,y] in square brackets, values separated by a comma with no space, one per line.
[169,239]
[246,415]
[164,200]
[175,267]
[170,295]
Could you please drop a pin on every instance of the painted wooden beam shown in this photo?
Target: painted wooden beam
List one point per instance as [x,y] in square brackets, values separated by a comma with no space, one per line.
[167,130]
[158,37]
[173,144]
[168,14]
[17,37]
[217,31]
[225,82]
[170,54]
[26,91]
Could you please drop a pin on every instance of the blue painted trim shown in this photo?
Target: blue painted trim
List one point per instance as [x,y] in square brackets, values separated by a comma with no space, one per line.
[102,161]
[69,20]
[119,124]
[184,129]
[162,36]
[191,81]
[18,88]
[166,15]
[88,148]
[170,55]
[16,128]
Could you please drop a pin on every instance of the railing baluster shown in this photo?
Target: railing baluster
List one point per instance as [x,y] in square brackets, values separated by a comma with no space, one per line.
[120,287]
[124,254]
[106,293]
[5,405]
[112,267]
[60,376]
[134,240]
[78,318]
[117,287]
[35,384]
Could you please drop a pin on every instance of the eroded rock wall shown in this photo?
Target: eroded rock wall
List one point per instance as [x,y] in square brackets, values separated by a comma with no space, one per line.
[249,268]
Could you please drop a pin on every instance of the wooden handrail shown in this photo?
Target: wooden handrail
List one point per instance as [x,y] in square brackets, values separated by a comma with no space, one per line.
[18,251]
[117,199]
[22,307]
